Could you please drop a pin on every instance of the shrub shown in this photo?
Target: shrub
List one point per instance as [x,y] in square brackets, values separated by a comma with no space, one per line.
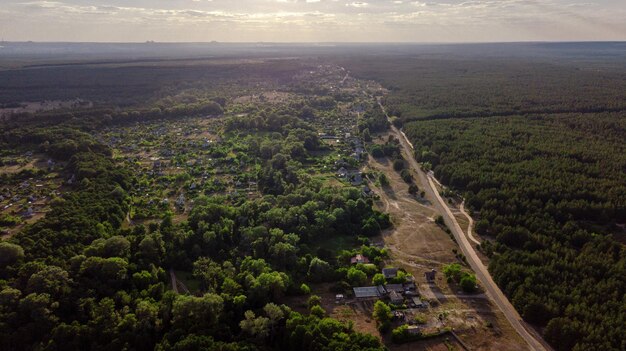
[305,289]
[398,164]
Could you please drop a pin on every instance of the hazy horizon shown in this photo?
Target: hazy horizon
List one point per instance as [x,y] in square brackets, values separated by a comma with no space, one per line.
[313,21]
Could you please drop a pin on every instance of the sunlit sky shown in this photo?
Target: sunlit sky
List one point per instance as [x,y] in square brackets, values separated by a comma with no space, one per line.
[313,20]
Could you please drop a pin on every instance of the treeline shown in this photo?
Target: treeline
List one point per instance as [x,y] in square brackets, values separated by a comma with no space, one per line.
[135,84]
[548,190]
[426,88]
[90,118]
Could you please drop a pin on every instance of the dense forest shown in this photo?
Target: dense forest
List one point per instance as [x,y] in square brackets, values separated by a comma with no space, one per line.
[548,192]
[135,84]
[425,88]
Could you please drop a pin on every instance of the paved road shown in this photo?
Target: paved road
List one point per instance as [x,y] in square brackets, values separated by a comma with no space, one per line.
[534,341]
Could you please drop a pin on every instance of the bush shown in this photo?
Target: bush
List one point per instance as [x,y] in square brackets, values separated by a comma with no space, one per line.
[452,272]
[406,176]
[305,289]
[314,300]
[398,164]
[382,315]
[377,151]
[420,318]
[318,311]
[468,282]
[383,180]
[378,279]
[401,334]
[439,220]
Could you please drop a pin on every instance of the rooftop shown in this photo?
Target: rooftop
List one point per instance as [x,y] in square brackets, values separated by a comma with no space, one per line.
[369,291]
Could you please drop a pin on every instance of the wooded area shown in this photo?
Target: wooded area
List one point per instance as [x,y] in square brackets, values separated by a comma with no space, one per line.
[548,191]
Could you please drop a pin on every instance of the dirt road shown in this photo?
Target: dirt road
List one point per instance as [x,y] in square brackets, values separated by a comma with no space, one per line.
[494,292]
[471,223]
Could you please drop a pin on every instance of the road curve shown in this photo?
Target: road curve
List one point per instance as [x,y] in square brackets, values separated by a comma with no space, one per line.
[494,292]
[470,225]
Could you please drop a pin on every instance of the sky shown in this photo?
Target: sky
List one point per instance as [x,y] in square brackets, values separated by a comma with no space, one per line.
[421,21]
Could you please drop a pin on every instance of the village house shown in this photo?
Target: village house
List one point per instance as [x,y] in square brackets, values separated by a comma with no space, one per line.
[368,292]
[359,259]
[390,273]
[417,302]
[398,288]
[356,179]
[409,287]
[395,298]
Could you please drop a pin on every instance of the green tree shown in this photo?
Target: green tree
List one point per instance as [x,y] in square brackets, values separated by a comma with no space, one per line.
[398,164]
[256,327]
[382,314]
[51,280]
[319,270]
[10,253]
[318,311]
[314,300]
[452,272]
[356,276]
[378,279]
[192,314]
[468,282]
[209,273]
[305,289]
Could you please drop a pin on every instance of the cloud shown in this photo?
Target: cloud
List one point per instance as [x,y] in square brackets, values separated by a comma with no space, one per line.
[357,4]
[312,20]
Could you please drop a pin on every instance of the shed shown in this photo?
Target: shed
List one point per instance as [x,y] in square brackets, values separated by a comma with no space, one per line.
[390,273]
[395,287]
[413,330]
[410,286]
[359,259]
[365,292]
[395,298]
[418,302]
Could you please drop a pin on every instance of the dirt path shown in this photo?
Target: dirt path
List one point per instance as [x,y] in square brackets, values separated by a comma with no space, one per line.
[174,281]
[533,341]
[471,223]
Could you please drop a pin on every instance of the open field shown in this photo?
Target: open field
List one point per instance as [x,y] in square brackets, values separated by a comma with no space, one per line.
[418,244]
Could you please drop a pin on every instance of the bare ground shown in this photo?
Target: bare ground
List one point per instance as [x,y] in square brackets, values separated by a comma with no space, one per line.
[416,243]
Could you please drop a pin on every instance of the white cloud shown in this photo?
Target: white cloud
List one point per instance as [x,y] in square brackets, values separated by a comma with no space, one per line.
[357,4]
[311,20]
